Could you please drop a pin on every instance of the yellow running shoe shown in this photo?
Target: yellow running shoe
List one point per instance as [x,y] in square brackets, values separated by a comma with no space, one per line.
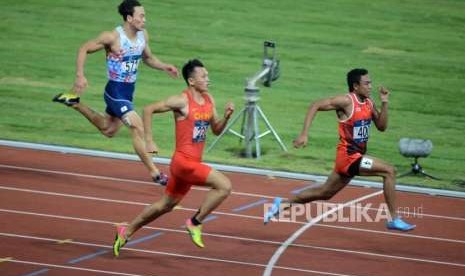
[195,232]
[68,99]
[120,239]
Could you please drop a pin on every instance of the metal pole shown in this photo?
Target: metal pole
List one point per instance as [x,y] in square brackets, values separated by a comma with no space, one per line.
[256,132]
[270,127]
[228,128]
[249,131]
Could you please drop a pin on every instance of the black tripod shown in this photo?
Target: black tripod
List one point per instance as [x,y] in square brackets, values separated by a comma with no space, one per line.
[417,170]
[416,148]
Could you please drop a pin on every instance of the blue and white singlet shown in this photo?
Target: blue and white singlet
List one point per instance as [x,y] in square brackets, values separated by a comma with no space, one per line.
[122,73]
[122,66]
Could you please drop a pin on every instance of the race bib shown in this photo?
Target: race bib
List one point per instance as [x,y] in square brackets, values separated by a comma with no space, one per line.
[361,131]
[200,131]
[130,66]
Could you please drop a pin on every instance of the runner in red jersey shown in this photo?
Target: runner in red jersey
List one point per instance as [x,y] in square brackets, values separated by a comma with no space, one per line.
[194,112]
[355,112]
[353,134]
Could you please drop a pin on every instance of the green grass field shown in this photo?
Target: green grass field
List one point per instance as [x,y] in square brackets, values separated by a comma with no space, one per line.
[413,47]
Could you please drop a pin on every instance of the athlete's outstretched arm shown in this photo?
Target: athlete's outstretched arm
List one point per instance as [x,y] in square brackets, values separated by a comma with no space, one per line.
[105,39]
[216,123]
[152,61]
[333,103]
[381,117]
[176,103]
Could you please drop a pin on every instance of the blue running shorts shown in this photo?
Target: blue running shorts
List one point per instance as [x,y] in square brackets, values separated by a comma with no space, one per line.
[118,97]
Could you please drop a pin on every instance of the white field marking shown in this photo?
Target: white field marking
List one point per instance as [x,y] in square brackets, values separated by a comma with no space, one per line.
[228,214]
[48,265]
[226,168]
[119,179]
[301,230]
[171,254]
[413,214]
[194,188]
[113,200]
[183,232]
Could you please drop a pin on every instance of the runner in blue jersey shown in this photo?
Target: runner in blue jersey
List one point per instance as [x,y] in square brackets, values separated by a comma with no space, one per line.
[125,47]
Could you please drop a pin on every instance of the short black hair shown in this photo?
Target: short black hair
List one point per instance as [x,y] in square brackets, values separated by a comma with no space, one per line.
[189,68]
[127,8]
[354,77]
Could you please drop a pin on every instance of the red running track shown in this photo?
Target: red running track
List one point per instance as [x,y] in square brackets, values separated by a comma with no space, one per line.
[58,211]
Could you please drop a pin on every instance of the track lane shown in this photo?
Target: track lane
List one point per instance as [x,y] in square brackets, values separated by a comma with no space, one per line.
[263,187]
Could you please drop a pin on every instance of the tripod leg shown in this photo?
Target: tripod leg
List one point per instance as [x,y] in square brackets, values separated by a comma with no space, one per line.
[249,130]
[256,134]
[275,134]
[406,174]
[227,128]
[428,175]
[243,124]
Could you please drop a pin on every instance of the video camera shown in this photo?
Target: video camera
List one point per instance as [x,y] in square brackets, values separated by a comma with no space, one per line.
[270,61]
[270,67]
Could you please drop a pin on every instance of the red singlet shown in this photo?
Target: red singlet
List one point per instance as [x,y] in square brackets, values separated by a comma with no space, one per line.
[186,167]
[353,134]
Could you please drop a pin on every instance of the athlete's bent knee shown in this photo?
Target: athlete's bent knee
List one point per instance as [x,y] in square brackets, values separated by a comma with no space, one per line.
[390,171]
[393,170]
[108,133]
[109,130]
[226,188]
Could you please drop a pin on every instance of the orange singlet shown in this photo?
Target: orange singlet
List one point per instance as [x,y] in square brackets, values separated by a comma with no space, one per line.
[186,167]
[353,135]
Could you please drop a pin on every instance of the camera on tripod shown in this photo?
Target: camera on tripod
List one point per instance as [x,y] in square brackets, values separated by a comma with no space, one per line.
[252,113]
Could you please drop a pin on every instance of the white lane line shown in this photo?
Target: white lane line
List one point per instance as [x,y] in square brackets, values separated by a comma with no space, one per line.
[118,179]
[196,188]
[171,254]
[226,168]
[183,232]
[277,254]
[405,214]
[48,265]
[389,233]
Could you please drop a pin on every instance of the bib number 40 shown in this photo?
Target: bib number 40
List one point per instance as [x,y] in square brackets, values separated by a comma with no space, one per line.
[361,131]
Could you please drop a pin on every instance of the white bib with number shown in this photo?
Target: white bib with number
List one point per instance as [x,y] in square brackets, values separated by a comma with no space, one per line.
[361,130]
